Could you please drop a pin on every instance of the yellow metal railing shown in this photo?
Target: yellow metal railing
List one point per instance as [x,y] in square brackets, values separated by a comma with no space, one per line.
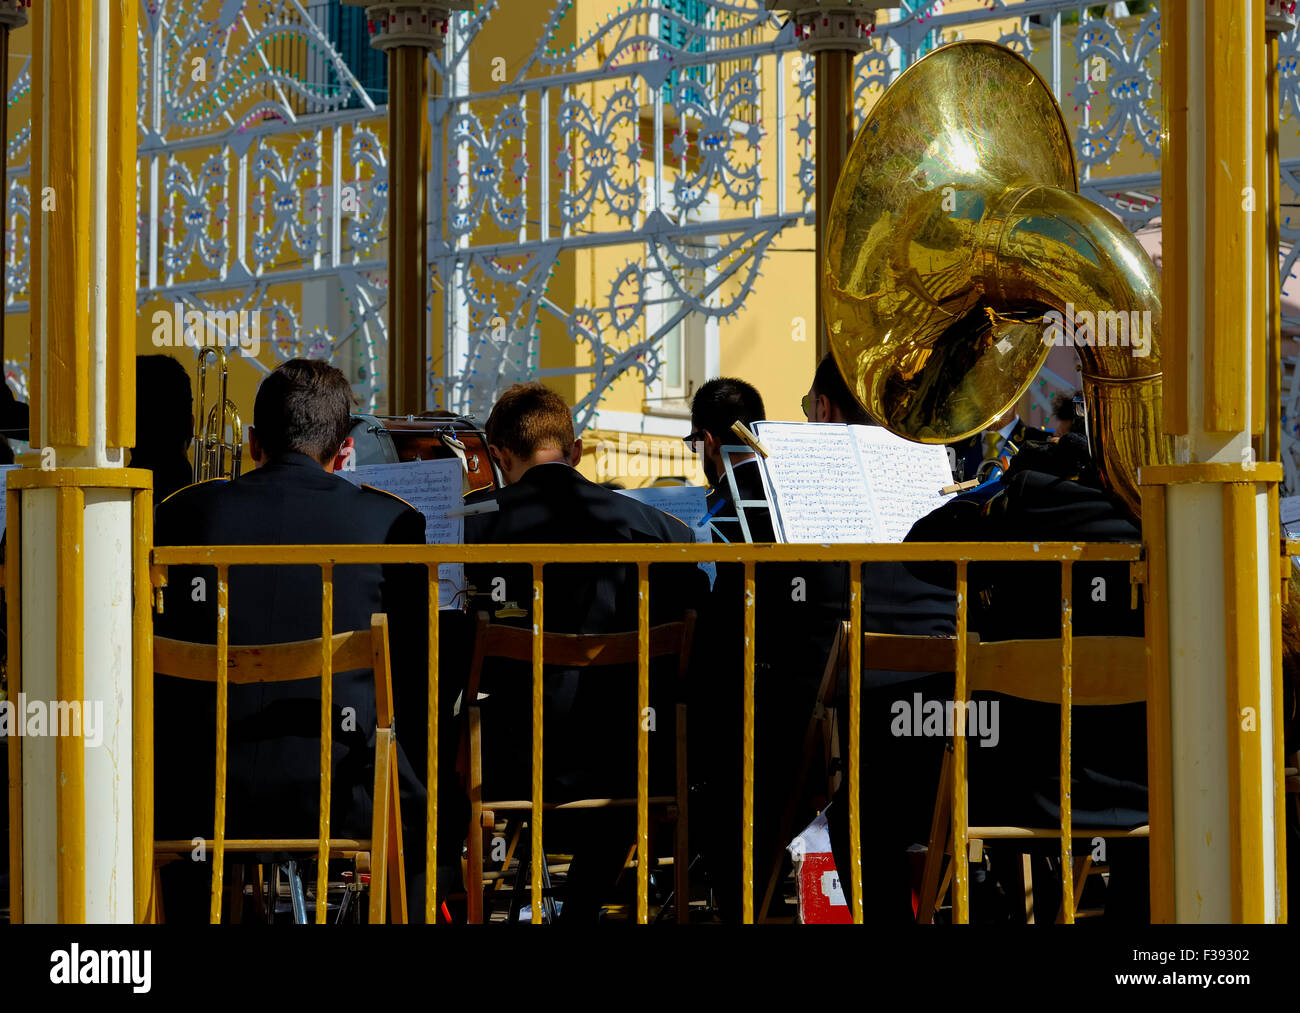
[643,556]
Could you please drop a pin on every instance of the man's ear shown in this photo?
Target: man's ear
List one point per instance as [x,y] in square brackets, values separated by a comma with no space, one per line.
[824,409]
[502,456]
[575,455]
[712,445]
[255,450]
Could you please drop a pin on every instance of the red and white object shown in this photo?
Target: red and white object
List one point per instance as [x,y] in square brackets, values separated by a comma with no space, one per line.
[821,899]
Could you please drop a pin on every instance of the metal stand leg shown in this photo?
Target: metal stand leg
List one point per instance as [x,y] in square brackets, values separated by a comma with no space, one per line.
[517,890]
[550,910]
[296,895]
[549,906]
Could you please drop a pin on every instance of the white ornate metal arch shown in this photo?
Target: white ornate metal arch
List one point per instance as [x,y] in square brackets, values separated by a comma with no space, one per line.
[263,176]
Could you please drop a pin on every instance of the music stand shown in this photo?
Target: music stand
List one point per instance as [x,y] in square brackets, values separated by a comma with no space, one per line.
[742,505]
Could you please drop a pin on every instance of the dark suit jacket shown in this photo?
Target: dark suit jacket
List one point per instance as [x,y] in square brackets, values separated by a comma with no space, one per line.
[798,609]
[1016,780]
[971,451]
[274,742]
[170,473]
[590,729]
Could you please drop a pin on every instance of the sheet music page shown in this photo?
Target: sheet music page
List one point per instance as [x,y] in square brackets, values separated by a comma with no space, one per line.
[688,503]
[685,502]
[433,488]
[1289,508]
[904,477]
[817,482]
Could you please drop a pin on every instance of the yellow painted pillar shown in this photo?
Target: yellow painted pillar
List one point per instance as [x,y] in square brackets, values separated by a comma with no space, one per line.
[78,521]
[1210,519]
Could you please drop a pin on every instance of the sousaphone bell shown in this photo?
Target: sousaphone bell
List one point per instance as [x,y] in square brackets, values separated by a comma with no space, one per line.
[955,230]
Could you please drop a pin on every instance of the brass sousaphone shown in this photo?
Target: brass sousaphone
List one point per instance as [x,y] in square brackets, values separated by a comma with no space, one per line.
[955,231]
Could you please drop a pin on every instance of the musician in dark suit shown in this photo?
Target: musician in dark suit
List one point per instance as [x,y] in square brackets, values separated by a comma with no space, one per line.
[799,607]
[1052,493]
[716,407]
[829,398]
[299,437]
[992,442]
[590,731]
[1067,413]
[898,774]
[164,423]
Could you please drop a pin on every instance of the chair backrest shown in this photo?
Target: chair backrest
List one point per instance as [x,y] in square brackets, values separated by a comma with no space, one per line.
[578,650]
[299,659]
[1104,671]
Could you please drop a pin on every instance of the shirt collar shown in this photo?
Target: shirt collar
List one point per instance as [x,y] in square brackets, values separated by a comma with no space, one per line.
[292,459]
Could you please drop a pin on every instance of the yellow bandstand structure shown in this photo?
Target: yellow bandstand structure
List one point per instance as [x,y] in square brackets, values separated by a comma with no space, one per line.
[81,568]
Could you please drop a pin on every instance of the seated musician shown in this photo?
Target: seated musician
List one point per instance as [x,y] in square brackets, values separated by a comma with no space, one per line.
[798,608]
[986,447]
[829,399]
[898,803]
[1052,492]
[590,731]
[164,423]
[717,405]
[298,439]
[1067,414]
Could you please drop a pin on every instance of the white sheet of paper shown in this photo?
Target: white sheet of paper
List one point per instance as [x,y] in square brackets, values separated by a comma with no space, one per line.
[685,502]
[688,503]
[904,477]
[1289,507]
[817,482]
[433,488]
[838,483]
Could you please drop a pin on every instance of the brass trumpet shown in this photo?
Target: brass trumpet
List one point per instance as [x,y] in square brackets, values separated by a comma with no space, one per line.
[210,442]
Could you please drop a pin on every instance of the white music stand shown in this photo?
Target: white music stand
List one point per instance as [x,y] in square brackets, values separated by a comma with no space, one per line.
[741,505]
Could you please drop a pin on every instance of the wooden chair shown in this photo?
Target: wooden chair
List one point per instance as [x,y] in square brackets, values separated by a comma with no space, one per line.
[287,663]
[566,650]
[1106,671]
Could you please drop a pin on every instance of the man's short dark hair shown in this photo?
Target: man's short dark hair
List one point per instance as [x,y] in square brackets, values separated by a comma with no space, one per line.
[164,405]
[530,417]
[1063,406]
[829,382]
[303,407]
[724,401]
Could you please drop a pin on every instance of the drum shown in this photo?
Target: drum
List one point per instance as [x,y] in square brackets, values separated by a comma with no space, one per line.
[389,440]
